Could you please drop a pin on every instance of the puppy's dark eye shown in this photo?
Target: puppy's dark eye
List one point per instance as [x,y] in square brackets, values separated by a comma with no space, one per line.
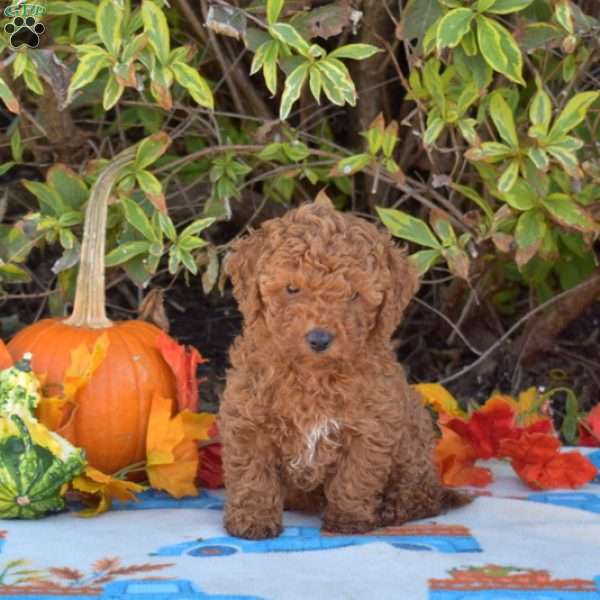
[292,290]
[355,296]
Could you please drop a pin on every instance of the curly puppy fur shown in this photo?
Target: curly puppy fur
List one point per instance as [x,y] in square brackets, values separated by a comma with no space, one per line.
[323,421]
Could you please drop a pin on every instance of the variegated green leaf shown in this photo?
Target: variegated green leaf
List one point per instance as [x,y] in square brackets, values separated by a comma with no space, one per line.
[315,81]
[157,30]
[137,218]
[9,98]
[573,113]
[293,89]
[539,158]
[87,70]
[504,121]
[266,58]
[150,185]
[504,7]
[407,227]
[490,152]
[424,260]
[433,131]
[355,51]
[565,211]
[32,80]
[194,83]
[109,21]
[531,228]
[336,72]
[286,33]
[274,10]
[132,48]
[351,165]
[508,179]
[483,5]
[540,111]
[259,58]
[567,142]
[521,196]
[16,145]
[566,158]
[151,149]
[564,15]
[160,86]
[47,197]
[499,49]
[81,8]
[112,92]
[453,26]
[126,252]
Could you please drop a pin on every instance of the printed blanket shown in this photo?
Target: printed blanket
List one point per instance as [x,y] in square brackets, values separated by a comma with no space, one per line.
[509,543]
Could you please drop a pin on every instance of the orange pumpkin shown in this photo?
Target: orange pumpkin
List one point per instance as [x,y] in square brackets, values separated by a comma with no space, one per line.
[110,418]
[5,358]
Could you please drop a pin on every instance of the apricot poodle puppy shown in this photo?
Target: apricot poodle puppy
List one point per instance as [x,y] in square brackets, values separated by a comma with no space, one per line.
[317,414]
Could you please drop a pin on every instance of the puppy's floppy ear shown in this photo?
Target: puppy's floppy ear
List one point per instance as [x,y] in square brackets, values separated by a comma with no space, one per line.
[241,266]
[401,286]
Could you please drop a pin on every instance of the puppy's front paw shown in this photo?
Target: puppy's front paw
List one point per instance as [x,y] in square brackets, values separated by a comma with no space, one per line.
[252,528]
[347,524]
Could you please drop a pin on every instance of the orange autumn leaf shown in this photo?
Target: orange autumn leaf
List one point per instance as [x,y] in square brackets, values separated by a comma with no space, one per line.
[172,451]
[54,411]
[183,361]
[100,489]
[83,365]
[455,459]
[538,462]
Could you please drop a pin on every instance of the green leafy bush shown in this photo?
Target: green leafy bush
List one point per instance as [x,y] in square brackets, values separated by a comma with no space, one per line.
[470,130]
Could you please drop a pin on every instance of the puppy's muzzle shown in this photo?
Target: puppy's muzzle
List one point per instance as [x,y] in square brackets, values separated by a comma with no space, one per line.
[319,340]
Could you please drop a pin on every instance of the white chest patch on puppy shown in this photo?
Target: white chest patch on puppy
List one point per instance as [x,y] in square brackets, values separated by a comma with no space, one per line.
[322,432]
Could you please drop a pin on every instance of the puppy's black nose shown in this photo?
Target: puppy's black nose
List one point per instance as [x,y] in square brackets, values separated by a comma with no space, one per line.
[319,339]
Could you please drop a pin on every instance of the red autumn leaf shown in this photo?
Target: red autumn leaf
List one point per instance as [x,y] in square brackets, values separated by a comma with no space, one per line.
[455,459]
[183,362]
[589,428]
[210,472]
[538,462]
[486,427]
[490,425]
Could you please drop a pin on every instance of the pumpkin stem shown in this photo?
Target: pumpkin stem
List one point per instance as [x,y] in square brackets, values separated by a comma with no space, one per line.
[89,308]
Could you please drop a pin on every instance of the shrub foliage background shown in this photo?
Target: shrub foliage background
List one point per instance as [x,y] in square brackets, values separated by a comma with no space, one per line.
[470,128]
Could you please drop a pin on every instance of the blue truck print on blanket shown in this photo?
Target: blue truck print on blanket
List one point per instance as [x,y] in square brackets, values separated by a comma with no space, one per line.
[153,499]
[581,500]
[595,458]
[135,589]
[422,537]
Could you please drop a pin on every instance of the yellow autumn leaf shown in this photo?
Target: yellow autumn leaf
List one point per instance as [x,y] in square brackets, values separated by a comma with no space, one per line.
[176,477]
[51,411]
[529,406]
[172,452]
[103,488]
[83,365]
[439,398]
